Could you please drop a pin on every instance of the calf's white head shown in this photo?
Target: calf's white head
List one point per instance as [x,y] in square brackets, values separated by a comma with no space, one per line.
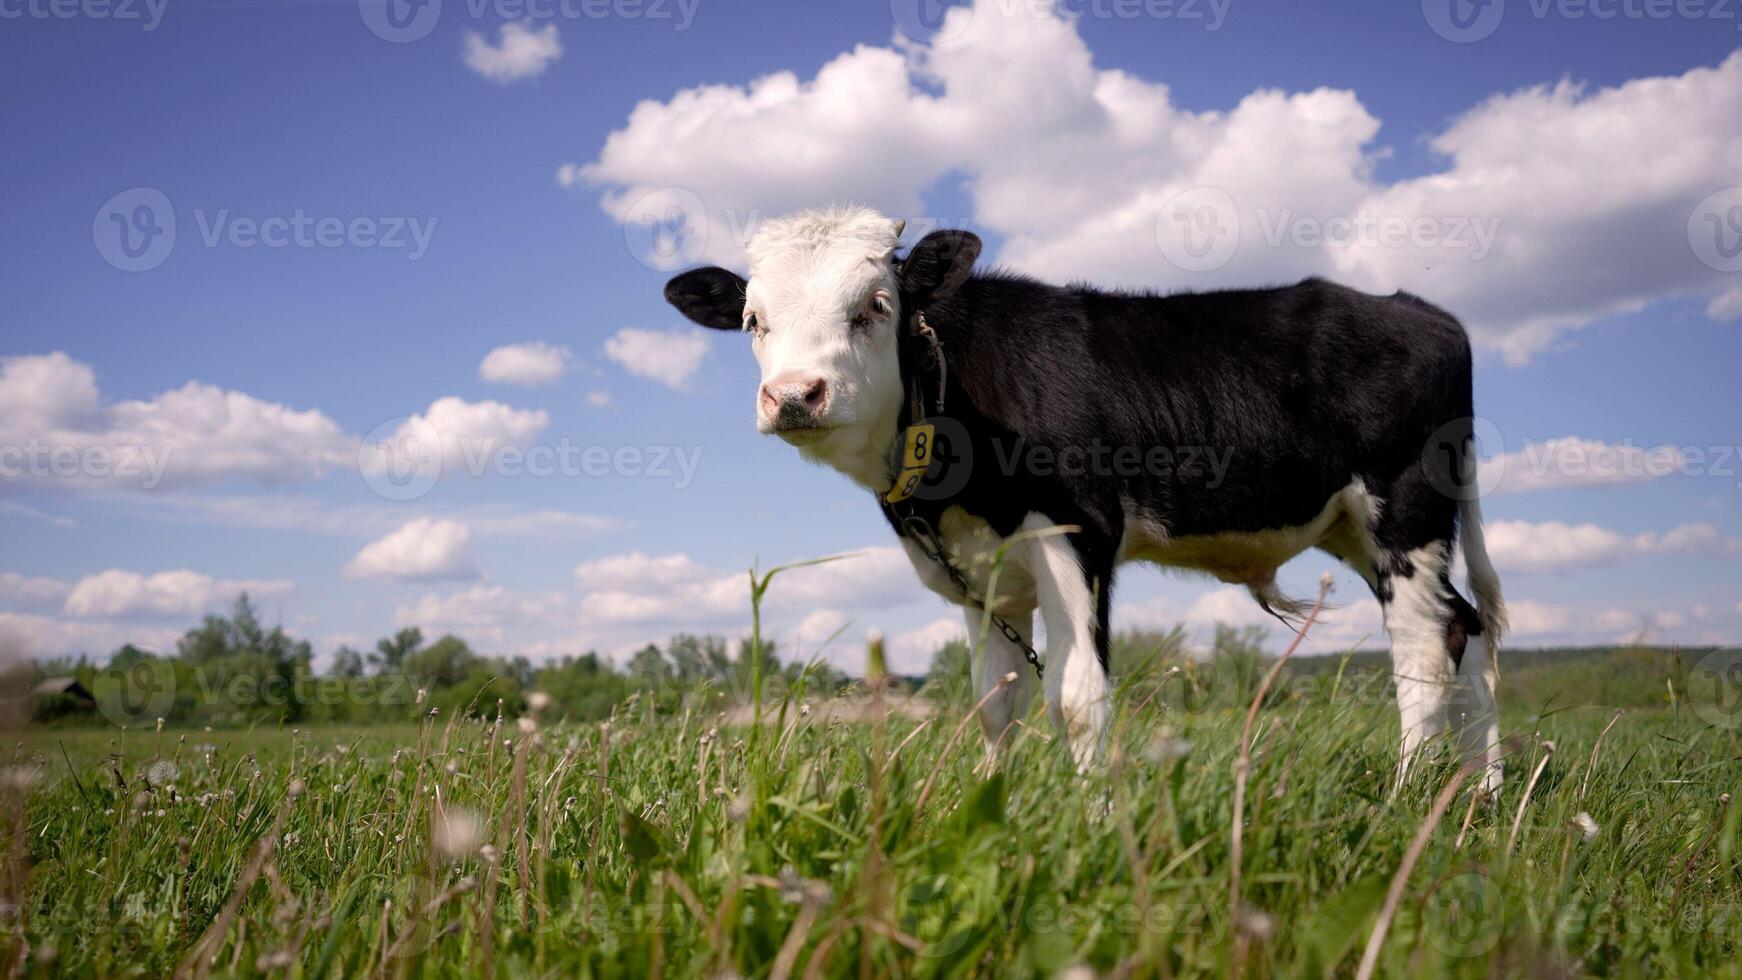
[824,306]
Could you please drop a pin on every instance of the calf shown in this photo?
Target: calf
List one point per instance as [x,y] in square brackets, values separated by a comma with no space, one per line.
[1221,432]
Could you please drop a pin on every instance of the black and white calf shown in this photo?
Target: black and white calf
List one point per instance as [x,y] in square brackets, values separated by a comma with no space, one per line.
[1221,432]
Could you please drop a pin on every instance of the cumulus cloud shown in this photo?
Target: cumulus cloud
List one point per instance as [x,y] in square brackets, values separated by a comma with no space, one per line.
[310,514]
[530,364]
[1552,206]
[486,612]
[27,590]
[423,549]
[910,651]
[29,636]
[1552,545]
[669,357]
[520,51]
[623,601]
[462,436]
[118,593]
[637,570]
[59,433]
[1556,464]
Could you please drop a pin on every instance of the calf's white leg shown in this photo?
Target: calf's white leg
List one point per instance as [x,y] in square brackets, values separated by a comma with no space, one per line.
[1077,693]
[993,659]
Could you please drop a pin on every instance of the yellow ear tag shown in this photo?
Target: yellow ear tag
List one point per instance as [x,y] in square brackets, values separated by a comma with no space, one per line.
[916,448]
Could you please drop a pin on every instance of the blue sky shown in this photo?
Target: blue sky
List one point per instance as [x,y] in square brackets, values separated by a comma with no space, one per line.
[1061,140]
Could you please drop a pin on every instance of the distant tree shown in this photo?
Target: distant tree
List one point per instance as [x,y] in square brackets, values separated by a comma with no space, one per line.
[390,652]
[648,665]
[348,663]
[444,663]
[240,666]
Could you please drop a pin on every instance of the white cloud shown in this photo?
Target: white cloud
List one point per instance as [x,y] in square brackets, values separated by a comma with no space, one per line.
[637,570]
[423,549]
[314,515]
[1554,206]
[1555,464]
[59,433]
[807,640]
[1726,306]
[669,357]
[118,593]
[27,636]
[465,435]
[531,364]
[1528,617]
[26,590]
[520,51]
[485,613]
[1524,546]
[598,399]
[910,652]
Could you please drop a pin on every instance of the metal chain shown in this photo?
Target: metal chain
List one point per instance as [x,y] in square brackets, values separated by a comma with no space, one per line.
[933,546]
[927,538]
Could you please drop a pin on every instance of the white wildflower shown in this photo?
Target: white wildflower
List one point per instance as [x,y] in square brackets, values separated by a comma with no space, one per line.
[1586,826]
[457,833]
[161,773]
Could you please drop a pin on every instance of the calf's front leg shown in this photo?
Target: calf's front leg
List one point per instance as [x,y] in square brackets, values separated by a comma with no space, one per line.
[1073,607]
[994,656]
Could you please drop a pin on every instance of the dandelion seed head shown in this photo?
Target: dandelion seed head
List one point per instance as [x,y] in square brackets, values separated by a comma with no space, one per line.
[161,773]
[457,833]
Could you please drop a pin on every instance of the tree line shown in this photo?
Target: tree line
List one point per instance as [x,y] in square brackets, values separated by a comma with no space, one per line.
[232,669]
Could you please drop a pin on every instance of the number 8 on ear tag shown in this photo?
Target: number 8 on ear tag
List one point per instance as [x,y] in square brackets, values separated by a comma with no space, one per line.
[916,449]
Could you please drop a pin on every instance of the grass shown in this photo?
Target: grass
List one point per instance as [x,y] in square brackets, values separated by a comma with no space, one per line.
[872,842]
[656,844]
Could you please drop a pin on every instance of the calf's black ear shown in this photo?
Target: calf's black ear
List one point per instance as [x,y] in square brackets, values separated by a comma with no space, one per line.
[712,297]
[939,264]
